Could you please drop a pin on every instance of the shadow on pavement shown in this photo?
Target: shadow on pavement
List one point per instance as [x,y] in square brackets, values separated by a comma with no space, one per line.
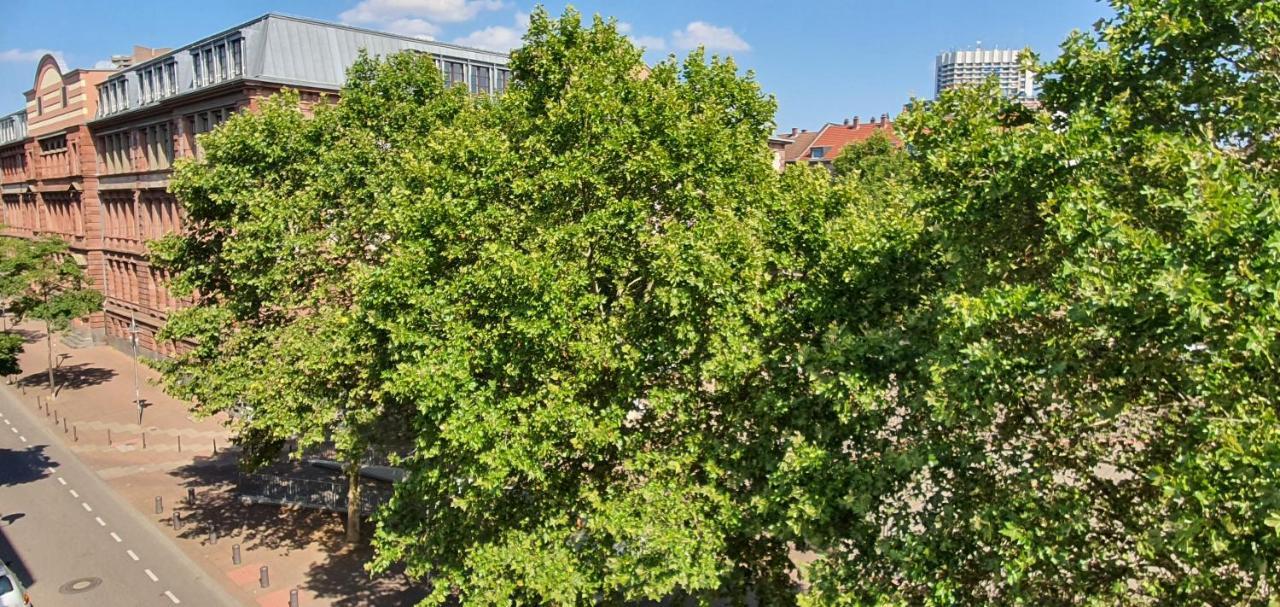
[73,377]
[9,554]
[337,572]
[24,466]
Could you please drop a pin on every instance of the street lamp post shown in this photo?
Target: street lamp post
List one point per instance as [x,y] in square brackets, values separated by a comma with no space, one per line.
[133,340]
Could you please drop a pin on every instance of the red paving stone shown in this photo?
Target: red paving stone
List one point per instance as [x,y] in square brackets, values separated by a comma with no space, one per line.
[301,547]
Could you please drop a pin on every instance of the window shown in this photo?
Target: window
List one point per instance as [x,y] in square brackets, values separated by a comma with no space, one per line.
[171,69]
[455,74]
[39,104]
[64,96]
[220,54]
[57,143]
[480,80]
[210,73]
[818,153]
[504,76]
[195,65]
[237,57]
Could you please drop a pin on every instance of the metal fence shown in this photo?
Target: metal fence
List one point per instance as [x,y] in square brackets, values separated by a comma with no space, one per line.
[307,493]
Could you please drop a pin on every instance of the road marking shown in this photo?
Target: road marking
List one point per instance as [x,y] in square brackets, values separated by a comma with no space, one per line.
[101,523]
[61,481]
[151,575]
[171,597]
[86,507]
[116,537]
[132,555]
[73,493]
[6,422]
[24,439]
[15,430]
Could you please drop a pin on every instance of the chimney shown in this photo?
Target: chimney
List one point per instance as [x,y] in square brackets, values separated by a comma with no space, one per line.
[804,130]
[855,122]
[884,120]
[846,122]
[794,131]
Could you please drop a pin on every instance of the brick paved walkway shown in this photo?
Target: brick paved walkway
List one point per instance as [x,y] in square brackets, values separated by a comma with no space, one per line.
[302,548]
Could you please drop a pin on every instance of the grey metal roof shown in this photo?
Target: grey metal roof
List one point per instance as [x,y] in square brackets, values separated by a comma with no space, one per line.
[13,127]
[292,51]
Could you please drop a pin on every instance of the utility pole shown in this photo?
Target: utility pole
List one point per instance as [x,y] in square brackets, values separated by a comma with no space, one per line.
[133,340]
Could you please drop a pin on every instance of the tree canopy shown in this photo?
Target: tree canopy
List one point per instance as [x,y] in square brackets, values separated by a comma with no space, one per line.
[1026,359]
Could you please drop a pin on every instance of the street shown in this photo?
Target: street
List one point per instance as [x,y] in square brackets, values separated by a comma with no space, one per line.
[70,540]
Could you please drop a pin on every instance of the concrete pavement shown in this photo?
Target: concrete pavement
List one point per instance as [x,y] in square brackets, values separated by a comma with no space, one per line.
[70,539]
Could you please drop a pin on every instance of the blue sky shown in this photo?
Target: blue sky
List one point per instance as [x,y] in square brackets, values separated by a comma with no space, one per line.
[823,60]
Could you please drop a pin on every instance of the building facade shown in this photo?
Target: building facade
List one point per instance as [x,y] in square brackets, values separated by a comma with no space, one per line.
[100,179]
[968,68]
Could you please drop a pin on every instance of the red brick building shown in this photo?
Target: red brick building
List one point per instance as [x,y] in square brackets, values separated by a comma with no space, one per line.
[89,158]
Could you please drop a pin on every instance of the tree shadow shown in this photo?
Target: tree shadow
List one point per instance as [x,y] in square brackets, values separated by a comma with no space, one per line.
[19,467]
[253,526]
[29,336]
[14,561]
[338,575]
[72,377]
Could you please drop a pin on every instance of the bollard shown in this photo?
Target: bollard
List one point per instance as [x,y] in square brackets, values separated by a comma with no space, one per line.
[75,433]
[215,446]
[64,425]
[191,496]
[37,401]
[159,505]
[179,443]
[213,535]
[55,417]
[293,598]
[144,440]
[108,436]
[263,580]
[235,554]
[177,520]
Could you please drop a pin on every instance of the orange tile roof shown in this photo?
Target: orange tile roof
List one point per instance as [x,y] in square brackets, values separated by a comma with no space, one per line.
[835,136]
[799,145]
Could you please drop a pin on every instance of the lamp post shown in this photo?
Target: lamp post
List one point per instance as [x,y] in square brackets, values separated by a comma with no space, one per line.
[133,340]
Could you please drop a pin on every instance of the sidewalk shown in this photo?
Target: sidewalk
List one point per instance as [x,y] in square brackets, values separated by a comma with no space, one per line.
[172,452]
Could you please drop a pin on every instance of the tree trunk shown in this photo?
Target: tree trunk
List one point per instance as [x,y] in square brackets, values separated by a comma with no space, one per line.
[48,337]
[353,501]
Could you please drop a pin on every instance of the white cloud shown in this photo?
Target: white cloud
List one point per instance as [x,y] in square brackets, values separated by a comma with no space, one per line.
[103,64]
[382,12]
[712,37]
[409,26]
[499,38]
[17,55]
[650,43]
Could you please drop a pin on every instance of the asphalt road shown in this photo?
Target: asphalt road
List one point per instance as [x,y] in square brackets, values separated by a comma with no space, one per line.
[71,540]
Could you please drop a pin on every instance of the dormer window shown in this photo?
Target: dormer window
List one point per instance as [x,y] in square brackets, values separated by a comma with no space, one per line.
[217,61]
[818,153]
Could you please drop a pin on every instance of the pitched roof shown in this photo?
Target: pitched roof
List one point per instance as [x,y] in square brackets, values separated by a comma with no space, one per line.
[799,145]
[834,137]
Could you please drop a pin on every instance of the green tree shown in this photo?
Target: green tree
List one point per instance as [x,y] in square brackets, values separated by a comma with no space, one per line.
[283,214]
[47,284]
[572,290]
[1040,370]
[876,157]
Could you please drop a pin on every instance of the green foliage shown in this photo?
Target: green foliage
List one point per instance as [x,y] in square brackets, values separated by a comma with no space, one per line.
[1027,360]
[1071,400]
[877,157]
[45,283]
[11,345]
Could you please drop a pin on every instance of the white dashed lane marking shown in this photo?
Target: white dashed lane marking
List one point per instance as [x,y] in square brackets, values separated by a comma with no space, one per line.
[131,554]
[22,438]
[171,597]
[15,430]
[61,481]
[116,537]
[101,523]
[151,575]
[86,507]
[6,422]
[73,493]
